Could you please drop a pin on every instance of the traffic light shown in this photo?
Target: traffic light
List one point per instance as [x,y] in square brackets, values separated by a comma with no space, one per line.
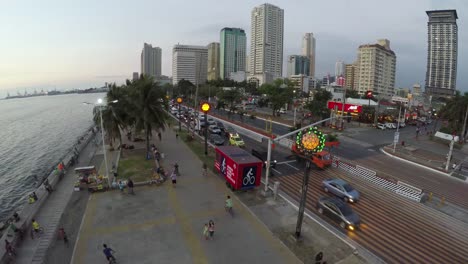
[369,94]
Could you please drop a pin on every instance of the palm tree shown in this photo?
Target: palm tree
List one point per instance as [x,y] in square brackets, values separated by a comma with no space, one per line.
[455,111]
[147,102]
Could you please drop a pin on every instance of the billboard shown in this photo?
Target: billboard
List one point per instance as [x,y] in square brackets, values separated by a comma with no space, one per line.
[351,108]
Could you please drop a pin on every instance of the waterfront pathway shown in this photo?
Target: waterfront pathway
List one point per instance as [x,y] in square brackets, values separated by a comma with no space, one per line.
[35,250]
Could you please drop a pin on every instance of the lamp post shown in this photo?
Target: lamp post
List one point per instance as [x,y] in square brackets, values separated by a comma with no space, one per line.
[397,134]
[205,107]
[100,105]
[179,102]
[294,102]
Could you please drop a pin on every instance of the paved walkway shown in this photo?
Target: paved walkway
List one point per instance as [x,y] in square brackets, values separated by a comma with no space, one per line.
[162,224]
[35,250]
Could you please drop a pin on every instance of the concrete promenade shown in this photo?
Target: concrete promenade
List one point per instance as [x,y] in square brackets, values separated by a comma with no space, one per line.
[163,224]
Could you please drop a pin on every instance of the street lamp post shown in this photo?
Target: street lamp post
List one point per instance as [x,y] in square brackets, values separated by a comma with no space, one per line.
[294,104]
[397,134]
[205,107]
[179,102]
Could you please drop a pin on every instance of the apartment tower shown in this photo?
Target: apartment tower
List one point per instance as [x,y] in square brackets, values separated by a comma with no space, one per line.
[151,60]
[308,49]
[213,61]
[189,63]
[232,51]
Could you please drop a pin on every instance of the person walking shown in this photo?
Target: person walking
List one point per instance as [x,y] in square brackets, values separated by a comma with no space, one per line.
[159,136]
[130,186]
[174,178]
[204,169]
[211,228]
[228,205]
[121,186]
[177,136]
[176,169]
[108,253]
[205,231]
[9,248]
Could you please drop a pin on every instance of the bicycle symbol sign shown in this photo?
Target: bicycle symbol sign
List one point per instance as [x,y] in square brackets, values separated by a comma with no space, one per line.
[249,176]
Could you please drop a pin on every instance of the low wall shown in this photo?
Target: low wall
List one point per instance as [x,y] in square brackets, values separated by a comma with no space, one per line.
[29,211]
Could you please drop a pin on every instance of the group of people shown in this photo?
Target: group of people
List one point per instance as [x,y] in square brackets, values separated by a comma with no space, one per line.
[129,185]
[209,228]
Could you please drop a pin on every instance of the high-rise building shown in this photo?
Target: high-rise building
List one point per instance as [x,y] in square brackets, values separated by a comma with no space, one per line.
[151,60]
[189,63]
[376,68]
[308,49]
[213,61]
[339,69]
[266,47]
[232,51]
[298,64]
[417,89]
[442,54]
[350,76]
[135,76]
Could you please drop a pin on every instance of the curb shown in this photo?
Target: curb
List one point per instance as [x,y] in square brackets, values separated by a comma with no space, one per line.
[421,166]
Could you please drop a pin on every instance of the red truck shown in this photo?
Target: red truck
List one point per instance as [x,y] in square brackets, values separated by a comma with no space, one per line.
[240,169]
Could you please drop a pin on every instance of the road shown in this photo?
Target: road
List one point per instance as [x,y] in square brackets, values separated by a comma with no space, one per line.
[362,147]
[396,229]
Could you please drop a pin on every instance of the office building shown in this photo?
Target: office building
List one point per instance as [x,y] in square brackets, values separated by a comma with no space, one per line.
[213,61]
[151,60]
[339,69]
[135,76]
[442,52]
[298,64]
[266,50]
[232,51]
[189,63]
[308,49]
[350,76]
[376,68]
[417,89]
[302,82]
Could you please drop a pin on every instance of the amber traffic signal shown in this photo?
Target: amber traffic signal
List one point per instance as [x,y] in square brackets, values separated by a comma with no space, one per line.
[205,107]
[179,100]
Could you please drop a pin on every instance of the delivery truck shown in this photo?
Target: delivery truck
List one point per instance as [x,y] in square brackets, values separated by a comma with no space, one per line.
[240,169]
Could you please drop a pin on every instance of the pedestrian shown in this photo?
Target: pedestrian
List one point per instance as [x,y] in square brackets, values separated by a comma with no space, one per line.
[177,136]
[9,248]
[204,169]
[63,235]
[205,231]
[159,136]
[130,186]
[121,186]
[174,179]
[176,169]
[211,228]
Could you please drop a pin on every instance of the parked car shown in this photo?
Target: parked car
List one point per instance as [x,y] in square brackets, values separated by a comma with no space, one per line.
[341,189]
[263,155]
[214,129]
[211,121]
[339,211]
[402,124]
[282,111]
[381,126]
[217,139]
[236,140]
[390,125]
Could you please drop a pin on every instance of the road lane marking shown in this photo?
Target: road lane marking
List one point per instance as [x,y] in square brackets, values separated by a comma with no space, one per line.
[292,166]
[276,171]
[285,162]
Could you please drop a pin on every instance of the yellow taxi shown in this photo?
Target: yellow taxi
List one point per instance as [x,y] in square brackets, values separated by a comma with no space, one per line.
[236,140]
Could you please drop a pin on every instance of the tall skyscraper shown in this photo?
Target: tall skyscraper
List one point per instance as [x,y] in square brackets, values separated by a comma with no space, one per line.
[151,60]
[339,69]
[213,61]
[442,52]
[135,76]
[232,51]
[298,64]
[351,76]
[266,47]
[376,68]
[189,63]
[308,49]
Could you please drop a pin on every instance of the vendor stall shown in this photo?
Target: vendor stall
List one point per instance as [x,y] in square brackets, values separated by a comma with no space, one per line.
[88,179]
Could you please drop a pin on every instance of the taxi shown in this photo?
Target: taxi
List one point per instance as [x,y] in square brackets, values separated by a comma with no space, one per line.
[236,140]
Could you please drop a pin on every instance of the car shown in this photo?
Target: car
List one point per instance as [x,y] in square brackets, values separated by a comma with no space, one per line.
[339,211]
[217,139]
[263,155]
[390,125]
[211,121]
[236,140]
[214,129]
[341,189]
[402,124]
[221,126]
[282,111]
[381,126]
[229,131]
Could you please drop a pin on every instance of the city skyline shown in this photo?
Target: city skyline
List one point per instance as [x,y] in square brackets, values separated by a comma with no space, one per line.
[80,49]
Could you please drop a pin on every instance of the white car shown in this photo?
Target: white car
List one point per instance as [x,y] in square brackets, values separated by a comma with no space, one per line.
[390,125]
[211,121]
[282,111]
[381,126]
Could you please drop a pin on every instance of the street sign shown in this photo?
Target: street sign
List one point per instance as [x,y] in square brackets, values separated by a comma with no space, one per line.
[396,137]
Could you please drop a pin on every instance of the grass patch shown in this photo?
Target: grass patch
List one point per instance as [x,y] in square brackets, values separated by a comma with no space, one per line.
[198,147]
[134,165]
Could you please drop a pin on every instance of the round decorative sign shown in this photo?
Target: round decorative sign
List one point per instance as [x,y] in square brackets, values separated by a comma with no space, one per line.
[179,100]
[310,140]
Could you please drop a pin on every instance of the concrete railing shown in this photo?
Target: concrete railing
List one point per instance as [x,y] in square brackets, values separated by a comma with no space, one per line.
[29,211]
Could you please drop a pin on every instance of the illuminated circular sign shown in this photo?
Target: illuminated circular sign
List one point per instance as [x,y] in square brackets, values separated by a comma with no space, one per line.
[179,100]
[205,107]
[310,140]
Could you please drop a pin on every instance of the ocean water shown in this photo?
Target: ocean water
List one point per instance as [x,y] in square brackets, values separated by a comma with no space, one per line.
[35,134]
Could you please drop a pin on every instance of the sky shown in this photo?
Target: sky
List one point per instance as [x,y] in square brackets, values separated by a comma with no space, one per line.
[66,44]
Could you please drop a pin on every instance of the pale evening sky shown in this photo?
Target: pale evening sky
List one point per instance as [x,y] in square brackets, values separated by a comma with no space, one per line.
[81,44]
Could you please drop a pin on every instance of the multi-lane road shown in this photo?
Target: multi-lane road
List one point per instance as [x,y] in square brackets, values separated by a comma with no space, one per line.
[396,229]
